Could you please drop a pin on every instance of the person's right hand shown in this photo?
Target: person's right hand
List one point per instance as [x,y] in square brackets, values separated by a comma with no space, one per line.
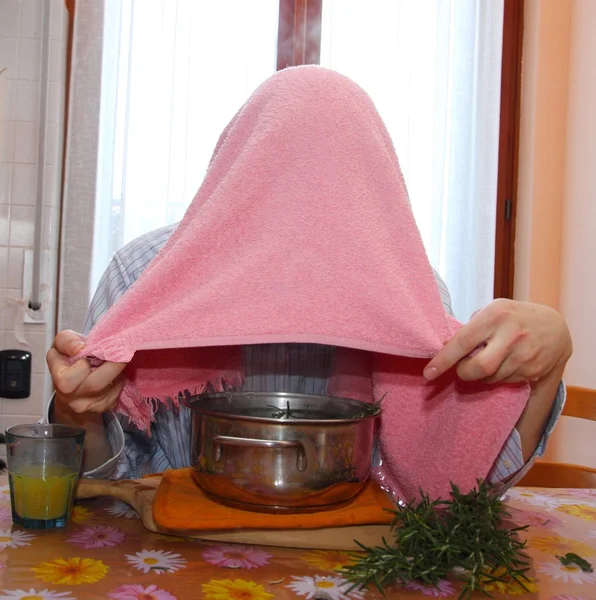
[78,386]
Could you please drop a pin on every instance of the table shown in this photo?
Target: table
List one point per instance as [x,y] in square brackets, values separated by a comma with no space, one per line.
[106,553]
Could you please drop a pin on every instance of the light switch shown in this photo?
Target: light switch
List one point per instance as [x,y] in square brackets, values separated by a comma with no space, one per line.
[15,374]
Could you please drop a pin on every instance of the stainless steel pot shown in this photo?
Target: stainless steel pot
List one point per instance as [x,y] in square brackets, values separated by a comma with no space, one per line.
[278,452]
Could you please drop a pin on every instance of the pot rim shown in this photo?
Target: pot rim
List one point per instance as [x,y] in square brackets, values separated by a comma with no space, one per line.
[195,405]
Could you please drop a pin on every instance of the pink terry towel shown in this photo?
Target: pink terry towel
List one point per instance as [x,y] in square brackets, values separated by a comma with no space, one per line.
[302,231]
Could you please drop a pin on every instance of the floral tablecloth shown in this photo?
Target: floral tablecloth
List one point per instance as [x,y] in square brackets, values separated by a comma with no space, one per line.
[106,553]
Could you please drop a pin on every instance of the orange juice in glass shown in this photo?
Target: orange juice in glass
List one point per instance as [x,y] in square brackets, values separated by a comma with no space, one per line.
[44,462]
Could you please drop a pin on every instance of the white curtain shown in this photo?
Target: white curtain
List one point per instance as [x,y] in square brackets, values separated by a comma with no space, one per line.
[173,72]
[433,68]
[81,164]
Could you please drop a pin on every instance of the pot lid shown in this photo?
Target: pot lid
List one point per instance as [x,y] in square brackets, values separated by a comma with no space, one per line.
[281,407]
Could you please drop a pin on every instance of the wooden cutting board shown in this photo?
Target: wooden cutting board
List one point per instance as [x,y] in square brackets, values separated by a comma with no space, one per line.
[139,494]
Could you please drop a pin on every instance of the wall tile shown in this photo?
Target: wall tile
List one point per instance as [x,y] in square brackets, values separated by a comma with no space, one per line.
[20,48]
[31,17]
[37,346]
[10,340]
[8,52]
[3,269]
[29,63]
[24,184]
[56,19]
[10,100]
[26,142]
[29,330]
[27,107]
[7,421]
[22,226]
[14,277]
[10,15]
[4,224]
[5,315]
[13,315]
[28,407]
[7,147]
[5,182]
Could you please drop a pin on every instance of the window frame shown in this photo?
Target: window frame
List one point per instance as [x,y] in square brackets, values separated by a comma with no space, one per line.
[511,66]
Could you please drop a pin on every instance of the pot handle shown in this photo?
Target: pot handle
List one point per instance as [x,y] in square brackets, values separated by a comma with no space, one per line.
[226,440]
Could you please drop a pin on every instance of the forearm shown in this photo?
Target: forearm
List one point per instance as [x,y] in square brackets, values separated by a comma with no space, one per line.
[97,446]
[533,421]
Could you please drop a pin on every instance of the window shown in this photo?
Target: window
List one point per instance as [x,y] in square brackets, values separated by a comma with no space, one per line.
[175,71]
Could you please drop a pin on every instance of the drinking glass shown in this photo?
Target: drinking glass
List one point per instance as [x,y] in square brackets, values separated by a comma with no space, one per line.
[44,462]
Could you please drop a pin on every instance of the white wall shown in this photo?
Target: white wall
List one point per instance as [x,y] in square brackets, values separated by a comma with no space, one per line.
[578,268]
[542,143]
[20,53]
[555,261]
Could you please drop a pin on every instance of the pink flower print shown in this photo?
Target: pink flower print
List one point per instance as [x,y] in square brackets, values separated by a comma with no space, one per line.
[565,597]
[578,493]
[534,518]
[97,536]
[137,591]
[5,493]
[443,589]
[5,513]
[236,556]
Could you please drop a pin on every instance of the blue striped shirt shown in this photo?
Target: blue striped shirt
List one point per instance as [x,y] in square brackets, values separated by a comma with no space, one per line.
[300,368]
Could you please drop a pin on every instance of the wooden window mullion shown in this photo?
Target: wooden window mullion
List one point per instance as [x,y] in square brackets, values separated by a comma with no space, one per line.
[299,33]
[508,148]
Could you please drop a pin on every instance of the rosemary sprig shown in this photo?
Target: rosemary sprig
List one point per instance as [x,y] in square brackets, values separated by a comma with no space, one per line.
[281,413]
[464,535]
[574,559]
[370,410]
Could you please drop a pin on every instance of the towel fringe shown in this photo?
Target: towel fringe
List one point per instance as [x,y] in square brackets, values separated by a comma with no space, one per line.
[141,410]
[222,383]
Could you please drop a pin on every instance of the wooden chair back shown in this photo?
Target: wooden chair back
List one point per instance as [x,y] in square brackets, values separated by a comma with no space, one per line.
[581,403]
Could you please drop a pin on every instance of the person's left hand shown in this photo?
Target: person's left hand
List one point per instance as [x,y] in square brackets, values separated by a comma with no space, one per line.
[514,342]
